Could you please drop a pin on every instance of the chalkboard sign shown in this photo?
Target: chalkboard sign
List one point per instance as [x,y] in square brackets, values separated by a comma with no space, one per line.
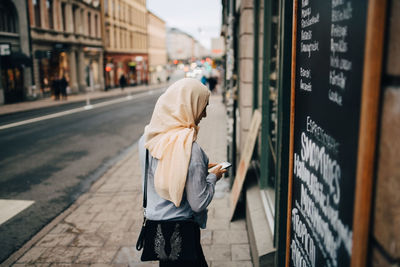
[330,43]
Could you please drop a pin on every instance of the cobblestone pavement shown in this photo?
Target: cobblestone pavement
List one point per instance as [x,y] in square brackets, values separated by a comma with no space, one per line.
[101,228]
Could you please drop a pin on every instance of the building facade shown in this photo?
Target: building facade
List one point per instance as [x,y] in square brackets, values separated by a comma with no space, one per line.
[217,47]
[125,37]
[157,49]
[182,46]
[66,42]
[325,79]
[15,52]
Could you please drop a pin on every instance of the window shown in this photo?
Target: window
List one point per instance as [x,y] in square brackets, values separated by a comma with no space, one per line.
[89,32]
[74,18]
[7,18]
[113,7]
[136,16]
[275,50]
[96,32]
[81,22]
[36,10]
[49,8]
[131,37]
[106,7]
[115,37]
[118,14]
[121,42]
[63,15]
[122,12]
[108,38]
[126,39]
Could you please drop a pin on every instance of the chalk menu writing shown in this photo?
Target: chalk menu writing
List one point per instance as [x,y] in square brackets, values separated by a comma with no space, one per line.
[329,63]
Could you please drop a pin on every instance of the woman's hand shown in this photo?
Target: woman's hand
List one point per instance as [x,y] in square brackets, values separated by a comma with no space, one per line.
[210,165]
[218,171]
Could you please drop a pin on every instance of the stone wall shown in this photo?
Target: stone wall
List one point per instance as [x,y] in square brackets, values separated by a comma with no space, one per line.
[246,53]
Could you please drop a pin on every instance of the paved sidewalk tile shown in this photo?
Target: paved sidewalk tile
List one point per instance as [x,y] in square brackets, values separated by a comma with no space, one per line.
[103,229]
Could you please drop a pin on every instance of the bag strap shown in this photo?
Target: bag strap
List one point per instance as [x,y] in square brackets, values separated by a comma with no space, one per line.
[146,165]
[140,241]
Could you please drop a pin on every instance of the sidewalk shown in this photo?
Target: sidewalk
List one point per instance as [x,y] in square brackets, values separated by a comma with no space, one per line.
[49,102]
[101,227]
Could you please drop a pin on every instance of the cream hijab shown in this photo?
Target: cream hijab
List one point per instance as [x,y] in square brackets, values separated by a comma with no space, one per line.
[171,132]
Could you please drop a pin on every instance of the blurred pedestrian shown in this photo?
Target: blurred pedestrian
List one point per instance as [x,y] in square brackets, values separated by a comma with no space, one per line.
[203,80]
[179,186]
[212,83]
[63,87]
[122,81]
[55,87]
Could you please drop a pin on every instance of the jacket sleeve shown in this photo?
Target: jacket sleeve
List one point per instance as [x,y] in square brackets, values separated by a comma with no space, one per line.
[200,185]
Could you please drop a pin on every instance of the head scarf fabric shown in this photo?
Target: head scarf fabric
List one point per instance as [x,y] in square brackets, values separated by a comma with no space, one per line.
[171,132]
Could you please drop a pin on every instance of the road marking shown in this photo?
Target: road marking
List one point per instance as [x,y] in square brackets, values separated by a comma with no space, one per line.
[76,110]
[10,207]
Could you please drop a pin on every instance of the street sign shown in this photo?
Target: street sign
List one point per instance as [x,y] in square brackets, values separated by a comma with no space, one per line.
[5,49]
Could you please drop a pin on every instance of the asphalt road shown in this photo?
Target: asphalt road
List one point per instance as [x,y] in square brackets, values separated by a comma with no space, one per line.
[54,161]
[63,106]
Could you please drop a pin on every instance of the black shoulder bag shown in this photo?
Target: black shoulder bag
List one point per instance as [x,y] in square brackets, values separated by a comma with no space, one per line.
[167,240]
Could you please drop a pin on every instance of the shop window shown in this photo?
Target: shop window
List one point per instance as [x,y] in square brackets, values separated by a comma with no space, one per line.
[8,18]
[269,53]
[64,65]
[275,49]
[49,8]
[12,84]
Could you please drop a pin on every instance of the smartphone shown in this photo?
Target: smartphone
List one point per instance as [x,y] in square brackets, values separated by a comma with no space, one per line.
[225,165]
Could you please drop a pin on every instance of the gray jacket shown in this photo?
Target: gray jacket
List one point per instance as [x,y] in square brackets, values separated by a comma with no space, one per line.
[198,193]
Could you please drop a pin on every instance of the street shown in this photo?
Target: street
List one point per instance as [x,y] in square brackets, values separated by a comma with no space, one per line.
[53,161]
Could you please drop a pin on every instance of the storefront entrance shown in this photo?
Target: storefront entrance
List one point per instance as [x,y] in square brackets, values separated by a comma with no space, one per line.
[12,77]
[52,65]
[13,84]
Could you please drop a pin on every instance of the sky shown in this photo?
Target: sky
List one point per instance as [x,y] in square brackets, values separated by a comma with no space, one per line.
[199,18]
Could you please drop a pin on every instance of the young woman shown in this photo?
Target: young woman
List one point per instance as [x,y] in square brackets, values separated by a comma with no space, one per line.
[179,185]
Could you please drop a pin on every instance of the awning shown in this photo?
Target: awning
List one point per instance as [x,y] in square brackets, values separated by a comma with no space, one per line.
[16,59]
